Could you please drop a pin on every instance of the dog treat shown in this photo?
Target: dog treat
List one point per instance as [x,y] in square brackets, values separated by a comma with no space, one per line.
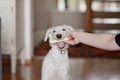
[55,41]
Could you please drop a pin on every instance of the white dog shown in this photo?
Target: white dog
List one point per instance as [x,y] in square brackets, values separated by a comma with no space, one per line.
[56,63]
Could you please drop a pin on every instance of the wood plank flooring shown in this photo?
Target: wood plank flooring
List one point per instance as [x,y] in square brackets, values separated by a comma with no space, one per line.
[87,63]
[81,69]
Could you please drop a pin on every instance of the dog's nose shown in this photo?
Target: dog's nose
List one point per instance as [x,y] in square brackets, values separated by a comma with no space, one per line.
[59,36]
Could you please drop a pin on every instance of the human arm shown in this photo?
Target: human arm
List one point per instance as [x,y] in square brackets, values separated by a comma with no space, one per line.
[102,41]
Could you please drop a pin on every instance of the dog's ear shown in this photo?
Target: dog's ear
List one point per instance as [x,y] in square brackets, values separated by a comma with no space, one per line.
[48,33]
[70,28]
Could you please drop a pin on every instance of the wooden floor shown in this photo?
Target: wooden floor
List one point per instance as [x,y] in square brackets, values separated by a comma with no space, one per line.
[87,63]
[81,69]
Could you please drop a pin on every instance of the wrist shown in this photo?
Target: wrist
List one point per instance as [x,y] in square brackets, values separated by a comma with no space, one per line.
[81,36]
[78,34]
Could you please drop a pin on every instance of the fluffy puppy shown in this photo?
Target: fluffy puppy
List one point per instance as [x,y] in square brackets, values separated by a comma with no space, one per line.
[56,63]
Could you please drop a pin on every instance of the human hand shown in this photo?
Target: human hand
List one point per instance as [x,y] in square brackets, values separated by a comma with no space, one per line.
[73,38]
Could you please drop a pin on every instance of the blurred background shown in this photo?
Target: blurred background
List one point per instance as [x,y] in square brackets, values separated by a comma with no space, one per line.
[24,24]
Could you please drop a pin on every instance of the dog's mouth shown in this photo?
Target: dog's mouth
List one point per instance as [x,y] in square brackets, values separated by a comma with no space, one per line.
[61,45]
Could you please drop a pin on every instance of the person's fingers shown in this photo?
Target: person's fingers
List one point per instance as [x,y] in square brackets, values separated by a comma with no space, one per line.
[71,38]
[71,42]
[69,34]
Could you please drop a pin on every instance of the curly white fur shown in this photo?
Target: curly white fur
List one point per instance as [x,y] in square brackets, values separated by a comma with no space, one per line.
[56,63]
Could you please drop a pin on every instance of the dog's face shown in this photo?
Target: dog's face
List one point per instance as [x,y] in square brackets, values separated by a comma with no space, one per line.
[59,32]
[57,35]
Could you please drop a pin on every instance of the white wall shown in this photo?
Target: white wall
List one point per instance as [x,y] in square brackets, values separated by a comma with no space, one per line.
[75,19]
[46,15]
[41,19]
[20,25]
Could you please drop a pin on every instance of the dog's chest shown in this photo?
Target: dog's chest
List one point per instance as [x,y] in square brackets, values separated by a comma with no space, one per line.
[58,58]
[56,65]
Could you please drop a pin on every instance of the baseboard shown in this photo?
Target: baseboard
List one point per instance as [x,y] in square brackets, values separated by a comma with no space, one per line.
[7,61]
[28,62]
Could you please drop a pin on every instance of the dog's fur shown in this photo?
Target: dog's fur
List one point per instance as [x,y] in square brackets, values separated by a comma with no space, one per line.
[56,63]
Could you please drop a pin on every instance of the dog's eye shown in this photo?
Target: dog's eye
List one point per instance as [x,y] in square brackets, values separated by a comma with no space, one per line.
[63,29]
[54,31]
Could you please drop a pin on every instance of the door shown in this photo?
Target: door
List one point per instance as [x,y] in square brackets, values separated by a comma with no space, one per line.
[7,14]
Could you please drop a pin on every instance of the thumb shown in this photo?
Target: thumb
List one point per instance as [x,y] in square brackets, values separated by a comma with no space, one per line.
[70,40]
